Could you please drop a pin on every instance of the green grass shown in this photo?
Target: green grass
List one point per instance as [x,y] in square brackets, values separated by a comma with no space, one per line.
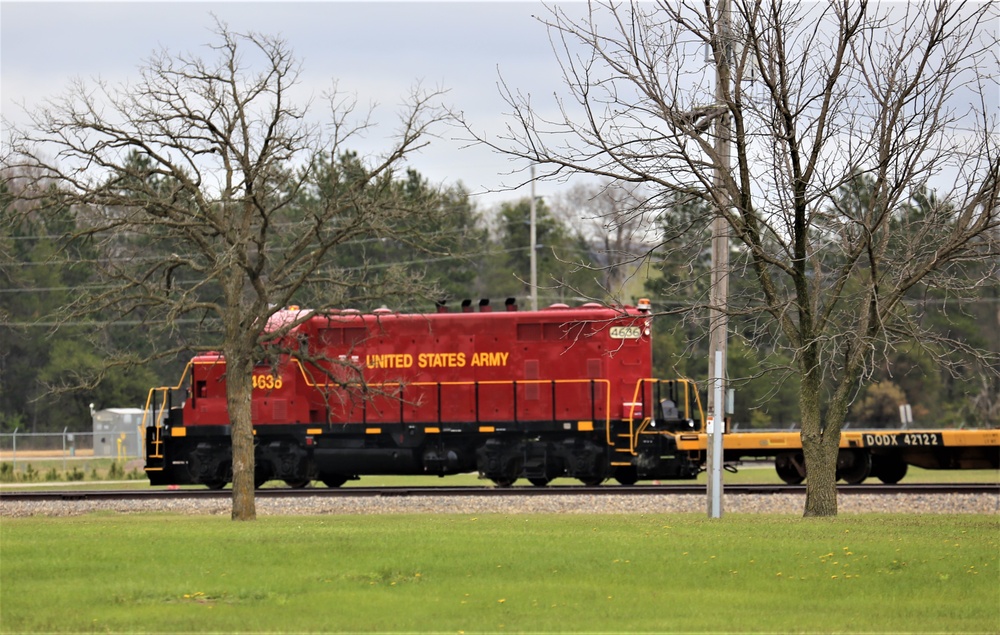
[494,573]
[70,470]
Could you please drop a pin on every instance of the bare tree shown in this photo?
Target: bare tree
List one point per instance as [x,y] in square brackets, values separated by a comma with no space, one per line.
[216,196]
[810,96]
[611,219]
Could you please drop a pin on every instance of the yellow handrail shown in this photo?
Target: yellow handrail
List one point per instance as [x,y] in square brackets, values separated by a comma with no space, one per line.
[164,389]
[689,387]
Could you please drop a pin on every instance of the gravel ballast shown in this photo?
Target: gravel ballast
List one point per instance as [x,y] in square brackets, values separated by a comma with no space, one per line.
[569,504]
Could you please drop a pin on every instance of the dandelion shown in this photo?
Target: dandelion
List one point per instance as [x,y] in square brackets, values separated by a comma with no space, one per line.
[501,600]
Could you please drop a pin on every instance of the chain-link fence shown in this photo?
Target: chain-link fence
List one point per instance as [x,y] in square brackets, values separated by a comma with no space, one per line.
[119,445]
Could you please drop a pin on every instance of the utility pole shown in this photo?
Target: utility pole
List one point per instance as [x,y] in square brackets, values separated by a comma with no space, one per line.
[533,245]
[719,293]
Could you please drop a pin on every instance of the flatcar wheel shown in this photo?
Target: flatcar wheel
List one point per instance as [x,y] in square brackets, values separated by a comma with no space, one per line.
[889,469]
[504,482]
[593,481]
[786,465]
[302,484]
[854,466]
[215,484]
[539,482]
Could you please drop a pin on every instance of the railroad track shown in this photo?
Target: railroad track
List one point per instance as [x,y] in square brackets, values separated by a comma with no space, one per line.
[469,491]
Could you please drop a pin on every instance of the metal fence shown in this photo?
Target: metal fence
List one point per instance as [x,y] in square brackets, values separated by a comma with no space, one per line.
[21,446]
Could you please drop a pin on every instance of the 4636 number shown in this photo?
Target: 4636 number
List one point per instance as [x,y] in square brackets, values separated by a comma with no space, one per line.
[267,382]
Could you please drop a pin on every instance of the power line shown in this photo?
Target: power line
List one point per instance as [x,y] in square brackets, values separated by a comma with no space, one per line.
[373,266]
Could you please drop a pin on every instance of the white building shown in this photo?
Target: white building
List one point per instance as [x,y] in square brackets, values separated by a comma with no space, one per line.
[118,432]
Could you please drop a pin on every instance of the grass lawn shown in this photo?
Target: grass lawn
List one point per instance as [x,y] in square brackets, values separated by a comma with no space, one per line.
[498,573]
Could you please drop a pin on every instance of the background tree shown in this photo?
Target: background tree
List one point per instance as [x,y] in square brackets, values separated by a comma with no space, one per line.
[39,273]
[192,176]
[619,231]
[880,406]
[506,269]
[444,264]
[809,97]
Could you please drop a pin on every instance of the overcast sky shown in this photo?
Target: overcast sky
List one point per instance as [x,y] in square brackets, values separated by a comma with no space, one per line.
[378,50]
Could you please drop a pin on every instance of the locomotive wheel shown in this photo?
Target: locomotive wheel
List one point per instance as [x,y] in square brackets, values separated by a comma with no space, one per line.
[334,480]
[539,482]
[626,475]
[302,484]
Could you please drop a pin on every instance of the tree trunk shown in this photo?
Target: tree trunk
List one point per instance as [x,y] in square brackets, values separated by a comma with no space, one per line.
[238,391]
[820,446]
[821,470]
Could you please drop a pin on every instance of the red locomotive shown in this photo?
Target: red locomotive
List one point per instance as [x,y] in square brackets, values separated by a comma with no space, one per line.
[511,394]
